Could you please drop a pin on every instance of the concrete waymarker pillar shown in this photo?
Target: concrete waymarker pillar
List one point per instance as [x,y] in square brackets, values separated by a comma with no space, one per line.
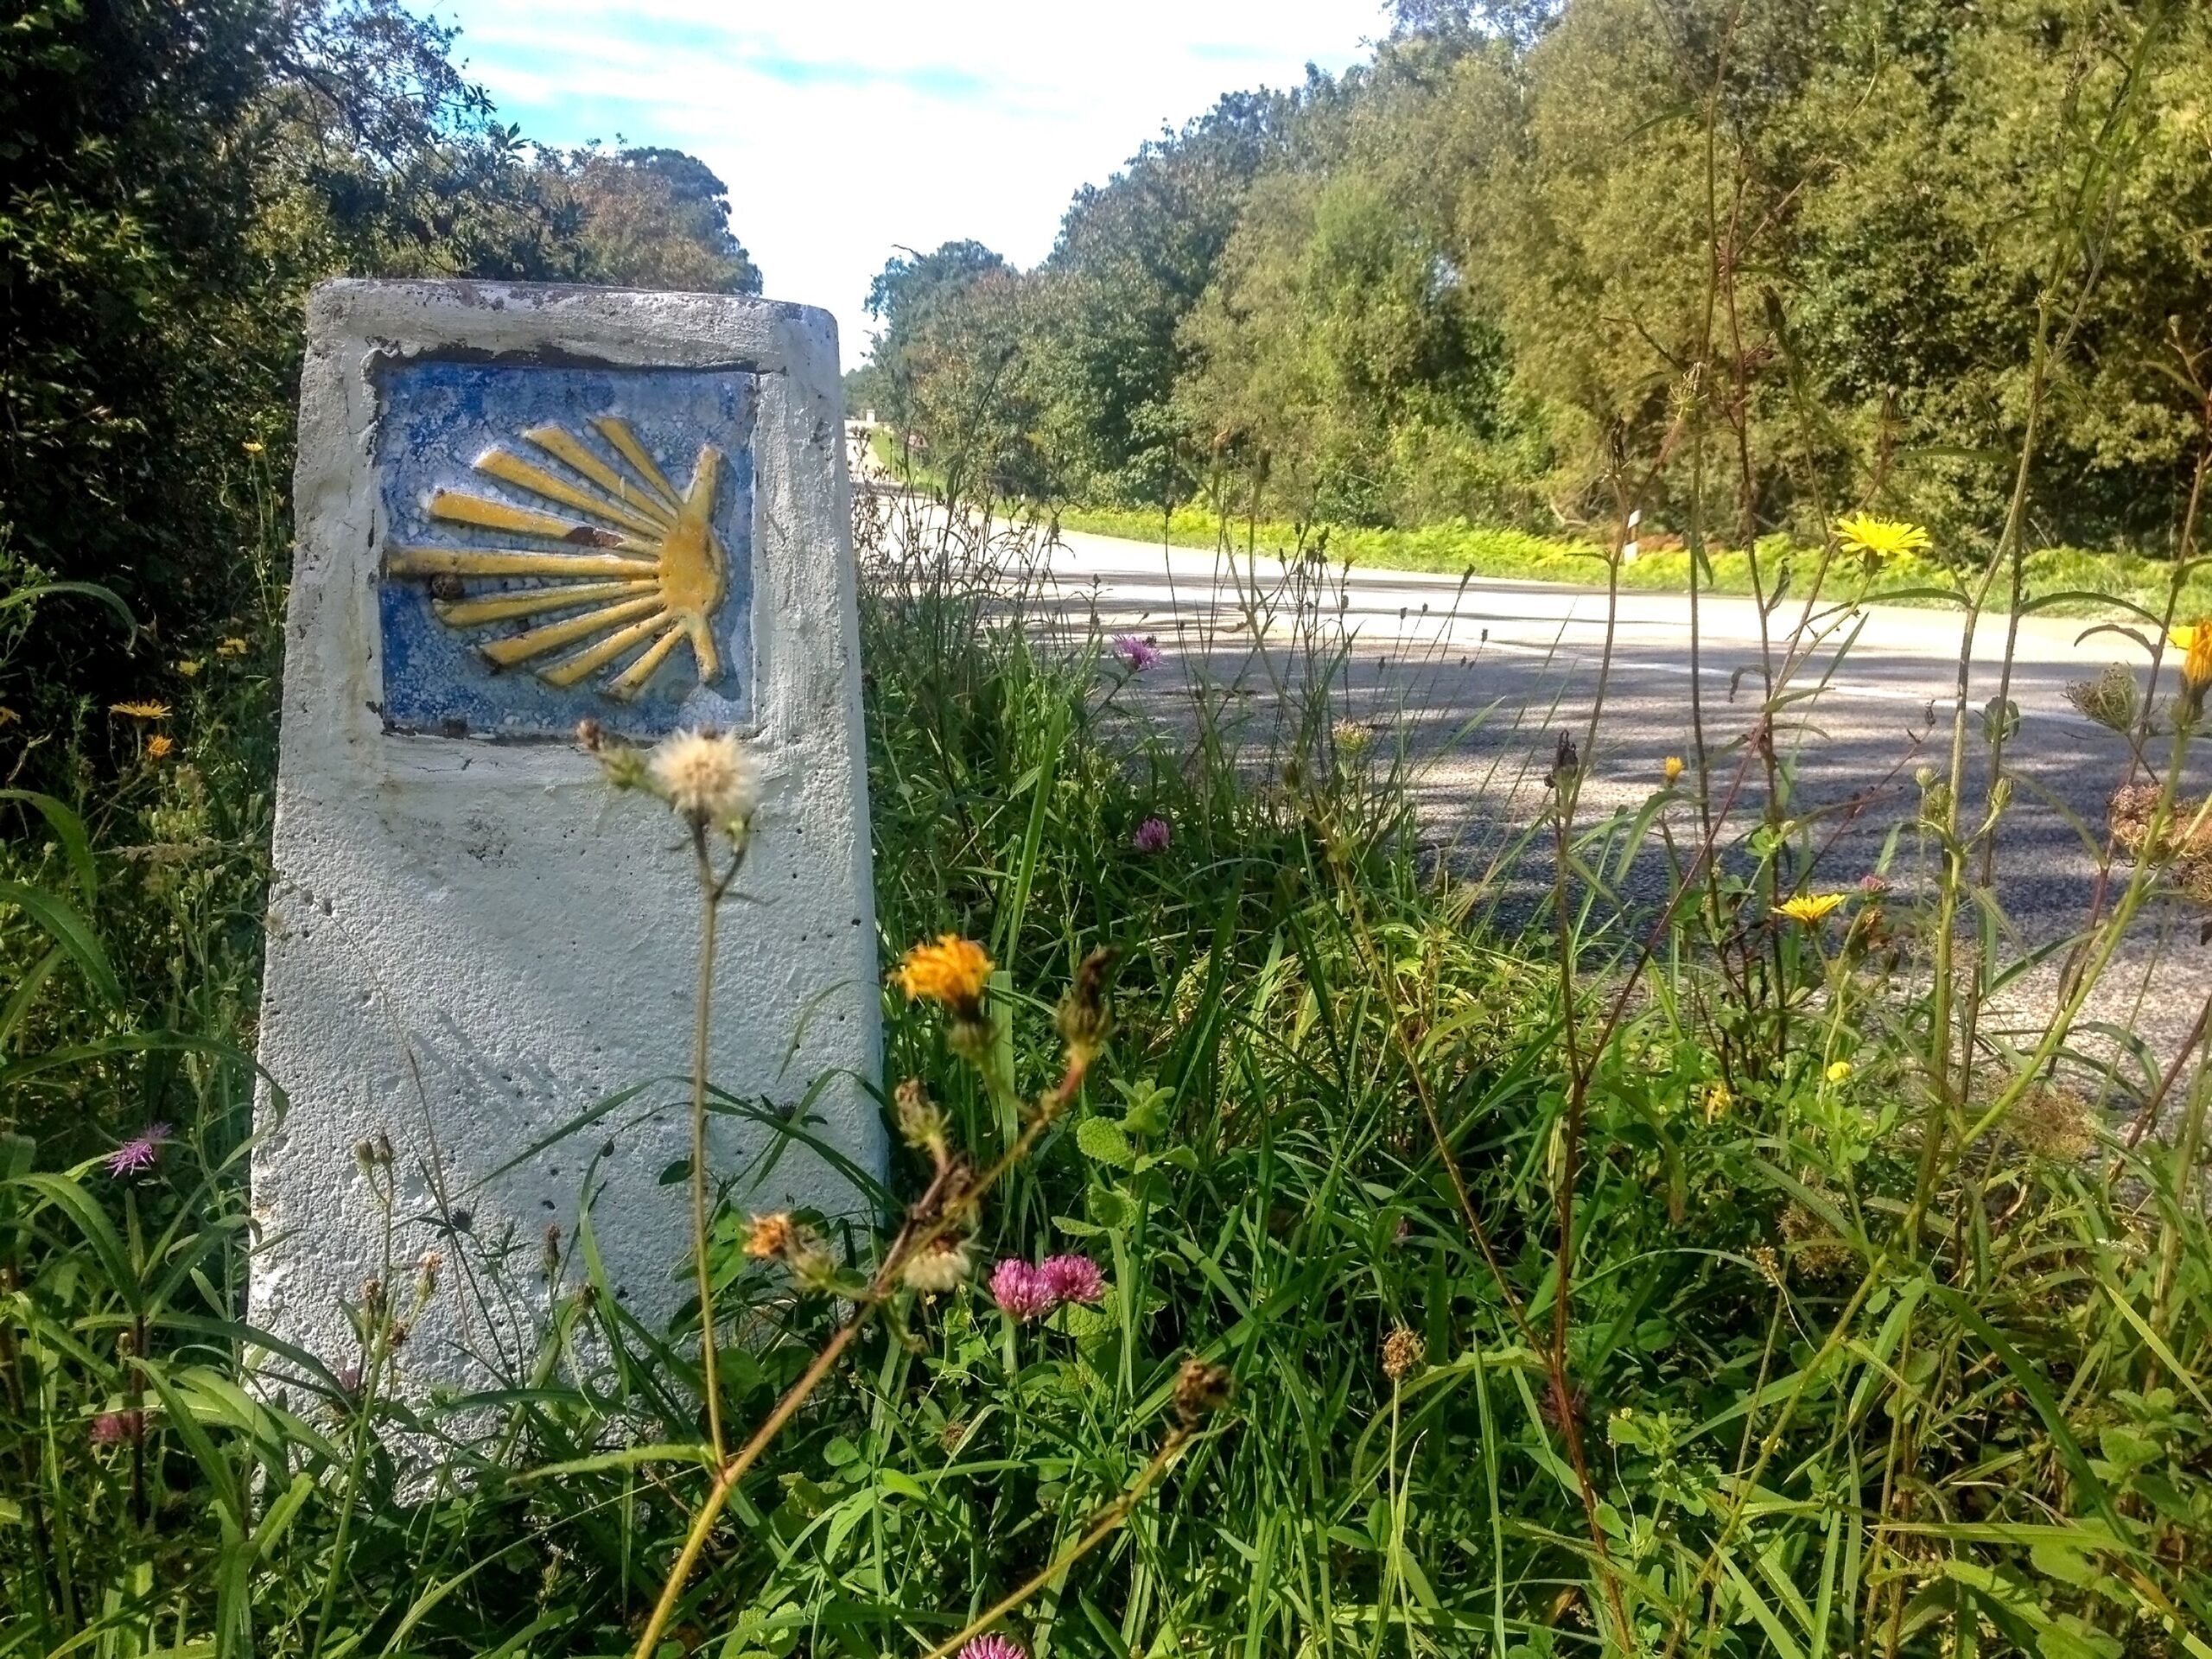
[519,507]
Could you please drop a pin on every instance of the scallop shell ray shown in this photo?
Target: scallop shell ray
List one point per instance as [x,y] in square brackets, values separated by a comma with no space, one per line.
[619,564]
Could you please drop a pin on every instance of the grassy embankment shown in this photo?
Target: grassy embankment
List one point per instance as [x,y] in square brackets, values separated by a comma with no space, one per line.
[1461,549]
[1683,1280]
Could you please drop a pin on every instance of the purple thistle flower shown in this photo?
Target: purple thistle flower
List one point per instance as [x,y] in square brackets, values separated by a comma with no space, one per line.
[993,1646]
[1872,884]
[137,1157]
[114,1427]
[1020,1290]
[1139,652]
[1154,834]
[1073,1279]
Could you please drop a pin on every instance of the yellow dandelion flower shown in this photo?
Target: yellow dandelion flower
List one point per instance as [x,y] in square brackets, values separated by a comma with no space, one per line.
[2194,641]
[233,646]
[1838,1070]
[139,710]
[1809,909]
[158,746]
[250,447]
[1673,768]
[188,667]
[953,972]
[1880,538]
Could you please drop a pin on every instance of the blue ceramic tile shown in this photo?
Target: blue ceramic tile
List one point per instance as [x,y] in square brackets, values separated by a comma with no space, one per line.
[563,543]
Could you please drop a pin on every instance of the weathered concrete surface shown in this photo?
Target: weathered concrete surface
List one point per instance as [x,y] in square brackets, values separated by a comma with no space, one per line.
[472,942]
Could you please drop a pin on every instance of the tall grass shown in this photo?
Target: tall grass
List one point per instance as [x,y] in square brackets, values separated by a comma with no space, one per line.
[1338,1111]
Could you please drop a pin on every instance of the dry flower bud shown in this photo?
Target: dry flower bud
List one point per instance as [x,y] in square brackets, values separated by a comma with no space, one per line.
[921,1121]
[770,1237]
[1201,1389]
[1402,1354]
[1087,1012]
[938,1266]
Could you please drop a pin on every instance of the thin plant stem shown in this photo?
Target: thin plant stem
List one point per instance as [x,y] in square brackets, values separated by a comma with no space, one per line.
[710,904]
[937,1213]
[1102,1526]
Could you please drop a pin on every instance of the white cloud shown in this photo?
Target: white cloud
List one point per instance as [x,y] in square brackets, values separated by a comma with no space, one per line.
[847,131]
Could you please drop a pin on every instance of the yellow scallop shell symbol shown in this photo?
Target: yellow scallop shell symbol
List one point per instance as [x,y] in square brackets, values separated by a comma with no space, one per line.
[641,568]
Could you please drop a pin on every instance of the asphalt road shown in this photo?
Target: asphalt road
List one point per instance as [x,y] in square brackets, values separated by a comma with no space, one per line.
[1477,679]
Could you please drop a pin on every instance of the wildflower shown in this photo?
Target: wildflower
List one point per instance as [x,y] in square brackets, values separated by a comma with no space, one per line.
[1402,1353]
[2055,1124]
[769,1236]
[1022,1291]
[1809,909]
[2112,699]
[777,1236]
[1880,538]
[114,1427]
[426,1275]
[705,777]
[136,1157]
[1154,834]
[1838,1070]
[1770,1263]
[993,1646]
[232,646]
[921,1121]
[1137,651]
[953,972]
[1201,1389]
[1086,1016]
[158,746]
[1810,1244]
[188,667]
[139,710]
[8,717]
[1718,1102]
[1873,885]
[2194,641]
[1672,767]
[1351,736]
[1073,1279]
[250,447]
[940,1265]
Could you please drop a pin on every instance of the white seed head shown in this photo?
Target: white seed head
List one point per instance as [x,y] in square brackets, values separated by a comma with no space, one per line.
[938,1268]
[705,776]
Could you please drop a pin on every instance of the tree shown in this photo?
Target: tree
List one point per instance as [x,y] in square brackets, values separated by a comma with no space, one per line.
[1133,256]
[180,173]
[905,297]
[653,218]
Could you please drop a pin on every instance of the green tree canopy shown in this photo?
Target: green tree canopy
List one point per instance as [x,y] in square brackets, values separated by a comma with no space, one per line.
[178,175]
[1531,245]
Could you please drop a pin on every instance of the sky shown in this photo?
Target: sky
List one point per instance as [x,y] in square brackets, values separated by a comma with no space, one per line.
[848,130]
